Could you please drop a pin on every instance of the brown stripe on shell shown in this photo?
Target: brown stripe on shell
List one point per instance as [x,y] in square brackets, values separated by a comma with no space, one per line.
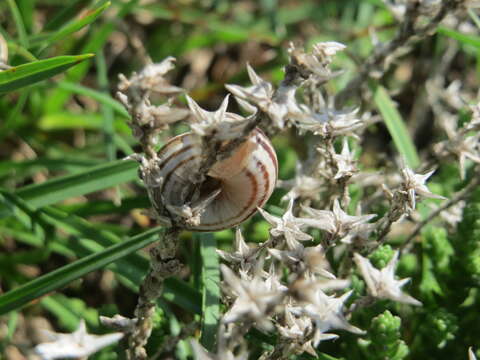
[181,163]
[270,152]
[252,198]
[267,181]
[176,153]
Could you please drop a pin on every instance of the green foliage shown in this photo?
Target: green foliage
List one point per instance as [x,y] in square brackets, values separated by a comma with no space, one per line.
[380,257]
[159,331]
[384,339]
[437,246]
[467,239]
[442,325]
[28,74]
[396,126]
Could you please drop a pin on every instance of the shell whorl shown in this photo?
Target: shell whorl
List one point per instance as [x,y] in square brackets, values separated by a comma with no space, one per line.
[246,179]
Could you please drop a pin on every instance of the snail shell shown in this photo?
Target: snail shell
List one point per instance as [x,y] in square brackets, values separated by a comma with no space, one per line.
[245,180]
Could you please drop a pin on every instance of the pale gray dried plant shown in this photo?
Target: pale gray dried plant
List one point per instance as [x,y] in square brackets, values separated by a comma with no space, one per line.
[382,283]
[286,284]
[75,345]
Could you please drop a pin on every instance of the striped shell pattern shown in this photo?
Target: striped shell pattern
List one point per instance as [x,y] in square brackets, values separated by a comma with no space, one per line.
[246,179]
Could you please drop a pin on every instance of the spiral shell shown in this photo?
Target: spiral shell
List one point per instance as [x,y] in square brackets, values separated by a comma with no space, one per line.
[245,180]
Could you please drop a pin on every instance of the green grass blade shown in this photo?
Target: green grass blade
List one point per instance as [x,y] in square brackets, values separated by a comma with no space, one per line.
[396,126]
[17,18]
[86,239]
[56,279]
[30,73]
[90,180]
[14,48]
[18,169]
[107,111]
[65,14]
[102,97]
[76,24]
[96,41]
[210,290]
[464,39]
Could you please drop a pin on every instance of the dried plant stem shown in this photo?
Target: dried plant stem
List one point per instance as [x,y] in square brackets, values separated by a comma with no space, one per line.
[378,63]
[461,195]
[393,215]
[163,265]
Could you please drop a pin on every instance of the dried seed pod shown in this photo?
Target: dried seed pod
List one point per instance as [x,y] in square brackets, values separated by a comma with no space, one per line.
[234,187]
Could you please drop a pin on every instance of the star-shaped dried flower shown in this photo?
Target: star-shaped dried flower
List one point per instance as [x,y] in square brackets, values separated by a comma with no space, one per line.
[311,258]
[466,148]
[242,254]
[326,311]
[414,184]
[262,94]
[329,122]
[288,226]
[254,299]
[336,222]
[78,344]
[225,125]
[381,283]
[272,279]
[315,63]
[460,143]
[151,79]
[298,329]
[301,185]
[345,162]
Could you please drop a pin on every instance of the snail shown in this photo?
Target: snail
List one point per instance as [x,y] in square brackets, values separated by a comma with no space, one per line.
[234,187]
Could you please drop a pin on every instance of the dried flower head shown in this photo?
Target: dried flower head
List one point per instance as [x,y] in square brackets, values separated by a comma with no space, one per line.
[329,122]
[254,299]
[288,226]
[414,185]
[278,106]
[315,63]
[325,311]
[78,344]
[337,222]
[301,186]
[243,254]
[345,162]
[223,125]
[381,283]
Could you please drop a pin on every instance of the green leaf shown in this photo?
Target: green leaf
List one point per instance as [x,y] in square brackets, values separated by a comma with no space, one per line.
[30,73]
[56,279]
[90,180]
[68,120]
[86,238]
[67,12]
[464,39]
[77,24]
[210,290]
[17,18]
[396,126]
[69,311]
[96,41]
[101,97]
